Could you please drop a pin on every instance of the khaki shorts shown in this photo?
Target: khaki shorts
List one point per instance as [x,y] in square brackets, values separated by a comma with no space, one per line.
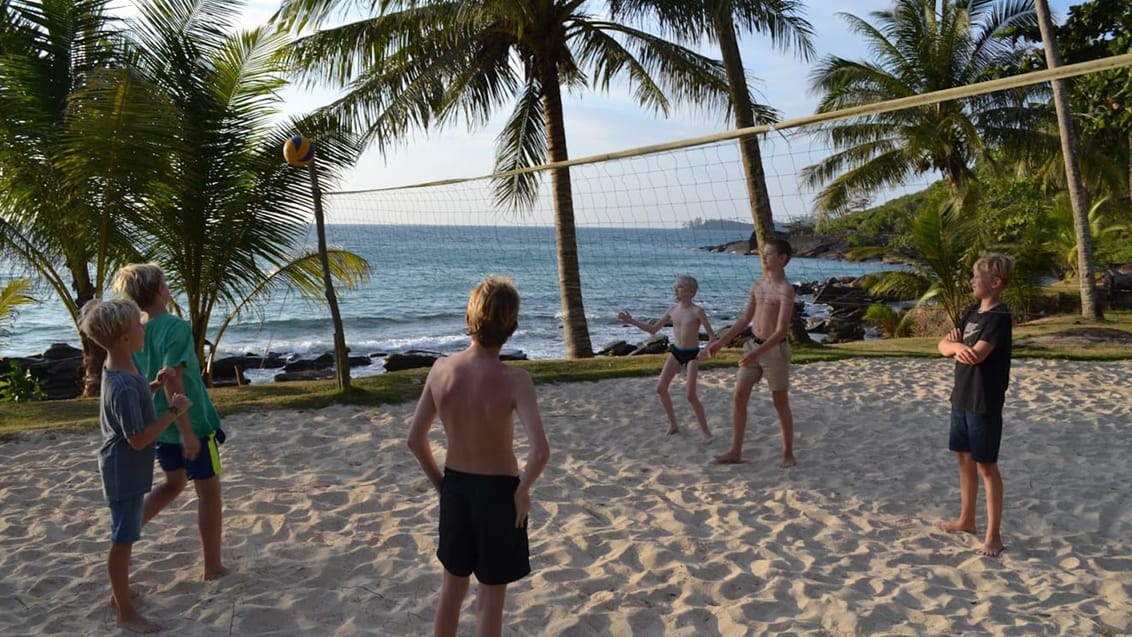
[775,364]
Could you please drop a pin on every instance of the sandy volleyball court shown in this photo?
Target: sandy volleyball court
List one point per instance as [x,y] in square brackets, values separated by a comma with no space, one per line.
[330,526]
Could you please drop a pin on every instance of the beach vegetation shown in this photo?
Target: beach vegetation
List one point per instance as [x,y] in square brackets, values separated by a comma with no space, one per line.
[891,322]
[921,46]
[14,294]
[724,21]
[422,65]
[18,385]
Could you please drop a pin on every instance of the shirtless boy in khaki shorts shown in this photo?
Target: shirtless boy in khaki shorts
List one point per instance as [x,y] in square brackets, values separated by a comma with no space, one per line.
[769,309]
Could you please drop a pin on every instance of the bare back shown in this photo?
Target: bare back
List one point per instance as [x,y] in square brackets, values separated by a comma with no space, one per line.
[475,399]
[773,303]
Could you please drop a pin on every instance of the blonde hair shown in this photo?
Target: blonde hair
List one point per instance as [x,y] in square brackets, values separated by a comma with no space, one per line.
[691,281]
[104,322]
[139,282]
[493,311]
[997,265]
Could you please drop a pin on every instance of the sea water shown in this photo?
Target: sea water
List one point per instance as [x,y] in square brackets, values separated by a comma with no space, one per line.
[416,297]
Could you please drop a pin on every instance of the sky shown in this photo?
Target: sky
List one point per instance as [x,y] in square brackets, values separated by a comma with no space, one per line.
[602,123]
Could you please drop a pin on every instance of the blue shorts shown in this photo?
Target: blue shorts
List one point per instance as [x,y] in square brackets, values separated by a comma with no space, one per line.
[171,457]
[979,434]
[126,519]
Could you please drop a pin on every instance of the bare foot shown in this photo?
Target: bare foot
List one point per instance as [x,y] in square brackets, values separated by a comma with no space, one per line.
[216,573]
[731,457]
[991,550]
[707,438]
[114,603]
[673,430]
[139,624]
[788,461]
[954,527]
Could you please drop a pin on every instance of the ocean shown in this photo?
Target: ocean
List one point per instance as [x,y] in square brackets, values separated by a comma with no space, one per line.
[422,275]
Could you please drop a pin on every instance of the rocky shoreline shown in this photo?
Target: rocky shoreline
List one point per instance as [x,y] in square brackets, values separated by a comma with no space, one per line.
[58,370]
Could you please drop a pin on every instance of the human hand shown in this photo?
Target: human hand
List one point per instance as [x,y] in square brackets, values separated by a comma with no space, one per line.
[624,317]
[966,355]
[522,507]
[955,336]
[748,359]
[190,447]
[163,376]
[180,402]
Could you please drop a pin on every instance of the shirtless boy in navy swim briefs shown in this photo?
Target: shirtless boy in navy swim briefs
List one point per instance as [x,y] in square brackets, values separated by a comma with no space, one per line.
[686,317]
[484,498]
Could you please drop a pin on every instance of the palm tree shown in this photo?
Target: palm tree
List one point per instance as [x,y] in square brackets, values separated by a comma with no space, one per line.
[56,204]
[230,214]
[722,19]
[423,64]
[12,295]
[920,46]
[1078,195]
[946,244]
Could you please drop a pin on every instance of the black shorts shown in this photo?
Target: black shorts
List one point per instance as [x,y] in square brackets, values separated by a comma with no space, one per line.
[978,434]
[684,355]
[477,528]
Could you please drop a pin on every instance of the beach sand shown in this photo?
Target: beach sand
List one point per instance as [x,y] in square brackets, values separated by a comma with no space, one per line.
[331,526]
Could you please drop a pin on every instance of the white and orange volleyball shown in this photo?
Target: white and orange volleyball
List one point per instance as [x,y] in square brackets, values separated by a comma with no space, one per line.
[298,151]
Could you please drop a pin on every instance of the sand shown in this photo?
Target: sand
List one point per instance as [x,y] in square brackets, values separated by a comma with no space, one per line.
[330,525]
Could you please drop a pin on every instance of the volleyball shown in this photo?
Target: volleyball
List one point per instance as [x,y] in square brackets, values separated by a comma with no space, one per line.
[298,151]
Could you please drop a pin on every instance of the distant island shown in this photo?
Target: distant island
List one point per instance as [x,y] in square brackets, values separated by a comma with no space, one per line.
[699,223]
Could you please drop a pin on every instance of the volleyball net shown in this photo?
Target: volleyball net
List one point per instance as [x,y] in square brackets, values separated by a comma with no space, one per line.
[687,195]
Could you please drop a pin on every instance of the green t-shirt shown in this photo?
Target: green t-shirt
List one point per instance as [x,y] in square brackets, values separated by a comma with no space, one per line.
[169,342]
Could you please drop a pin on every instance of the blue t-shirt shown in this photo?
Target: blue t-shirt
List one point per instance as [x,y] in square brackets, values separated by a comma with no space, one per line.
[125,409]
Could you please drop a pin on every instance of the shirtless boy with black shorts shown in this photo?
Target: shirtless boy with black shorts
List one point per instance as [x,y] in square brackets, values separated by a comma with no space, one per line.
[484,498]
[686,317]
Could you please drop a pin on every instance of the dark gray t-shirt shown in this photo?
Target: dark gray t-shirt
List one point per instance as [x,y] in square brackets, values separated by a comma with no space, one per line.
[126,408]
[982,388]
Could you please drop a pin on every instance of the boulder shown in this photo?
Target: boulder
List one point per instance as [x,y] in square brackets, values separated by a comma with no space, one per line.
[411,360]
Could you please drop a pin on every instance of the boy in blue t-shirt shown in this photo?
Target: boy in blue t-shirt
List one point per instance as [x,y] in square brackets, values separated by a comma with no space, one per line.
[981,349]
[169,344]
[129,428]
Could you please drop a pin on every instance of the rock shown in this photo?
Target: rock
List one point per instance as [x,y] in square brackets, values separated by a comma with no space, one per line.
[411,360]
[616,348]
[653,345]
[307,374]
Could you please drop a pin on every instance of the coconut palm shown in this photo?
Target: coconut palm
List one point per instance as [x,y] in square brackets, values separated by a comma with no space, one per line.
[14,294]
[230,213]
[62,213]
[723,20]
[425,64]
[920,46]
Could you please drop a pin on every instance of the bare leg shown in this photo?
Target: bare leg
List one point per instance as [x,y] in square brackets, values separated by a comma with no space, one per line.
[968,492]
[118,567]
[694,399]
[739,397]
[160,497]
[992,484]
[452,591]
[489,600]
[662,383]
[210,522]
[781,399]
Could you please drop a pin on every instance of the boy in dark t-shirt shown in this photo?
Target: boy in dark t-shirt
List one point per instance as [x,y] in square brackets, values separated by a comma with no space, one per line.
[981,349]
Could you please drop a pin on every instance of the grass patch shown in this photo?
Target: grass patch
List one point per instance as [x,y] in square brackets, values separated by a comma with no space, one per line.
[400,387]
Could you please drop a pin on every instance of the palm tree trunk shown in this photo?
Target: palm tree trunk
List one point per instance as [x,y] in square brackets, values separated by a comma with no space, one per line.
[341,353]
[575,329]
[1078,196]
[745,118]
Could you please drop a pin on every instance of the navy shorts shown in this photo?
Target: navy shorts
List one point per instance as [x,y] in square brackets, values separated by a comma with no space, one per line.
[979,434]
[126,519]
[684,355]
[477,528]
[171,457]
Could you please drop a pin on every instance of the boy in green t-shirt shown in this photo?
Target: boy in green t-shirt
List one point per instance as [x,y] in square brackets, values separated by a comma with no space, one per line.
[169,343]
